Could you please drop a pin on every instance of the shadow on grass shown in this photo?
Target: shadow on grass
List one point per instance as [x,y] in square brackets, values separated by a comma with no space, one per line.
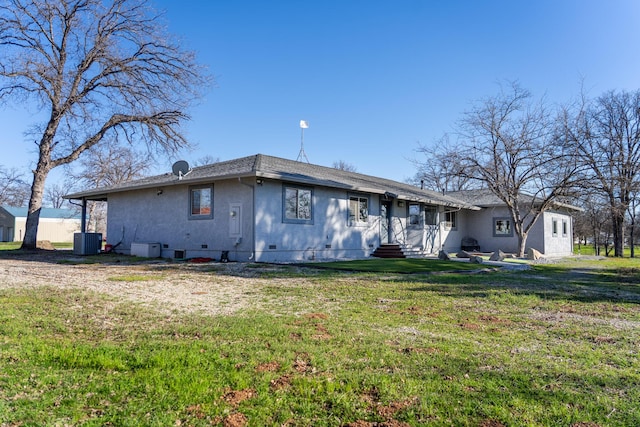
[548,282]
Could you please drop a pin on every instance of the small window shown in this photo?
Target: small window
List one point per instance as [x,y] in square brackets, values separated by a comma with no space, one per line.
[414,214]
[554,227]
[358,210]
[451,220]
[431,215]
[502,227]
[297,204]
[565,228]
[201,202]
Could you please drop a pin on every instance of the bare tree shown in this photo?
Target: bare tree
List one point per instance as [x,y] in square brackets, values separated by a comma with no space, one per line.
[508,144]
[344,166]
[53,195]
[106,165]
[206,160]
[441,168]
[593,223]
[97,68]
[14,191]
[110,164]
[606,136]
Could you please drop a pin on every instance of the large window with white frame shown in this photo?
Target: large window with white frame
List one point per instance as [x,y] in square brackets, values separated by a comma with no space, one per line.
[358,210]
[430,215]
[415,214]
[201,202]
[297,204]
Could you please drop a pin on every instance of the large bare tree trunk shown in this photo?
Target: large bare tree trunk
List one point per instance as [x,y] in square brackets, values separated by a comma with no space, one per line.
[98,69]
[618,234]
[522,244]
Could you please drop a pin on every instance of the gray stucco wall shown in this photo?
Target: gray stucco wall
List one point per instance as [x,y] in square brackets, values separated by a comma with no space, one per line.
[327,236]
[480,225]
[145,216]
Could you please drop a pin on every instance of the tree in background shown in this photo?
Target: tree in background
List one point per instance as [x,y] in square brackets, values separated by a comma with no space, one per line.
[14,190]
[96,69]
[104,166]
[344,166]
[54,194]
[508,144]
[440,168]
[605,134]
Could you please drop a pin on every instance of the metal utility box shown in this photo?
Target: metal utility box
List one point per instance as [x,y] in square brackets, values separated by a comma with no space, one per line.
[87,243]
[147,250]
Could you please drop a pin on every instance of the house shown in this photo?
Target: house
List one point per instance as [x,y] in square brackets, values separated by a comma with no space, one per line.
[270,209]
[492,226]
[55,225]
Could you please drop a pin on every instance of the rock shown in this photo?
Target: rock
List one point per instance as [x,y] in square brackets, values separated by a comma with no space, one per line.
[474,259]
[533,254]
[497,256]
[45,244]
[443,255]
[463,254]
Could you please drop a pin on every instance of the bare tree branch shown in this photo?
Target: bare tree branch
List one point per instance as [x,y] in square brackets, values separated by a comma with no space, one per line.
[100,69]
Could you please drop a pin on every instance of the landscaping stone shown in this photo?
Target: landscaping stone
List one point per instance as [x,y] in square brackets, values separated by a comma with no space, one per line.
[497,256]
[474,259]
[463,254]
[443,255]
[534,254]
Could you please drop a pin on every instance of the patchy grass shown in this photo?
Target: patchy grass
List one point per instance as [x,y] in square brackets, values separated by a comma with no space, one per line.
[556,345]
[398,265]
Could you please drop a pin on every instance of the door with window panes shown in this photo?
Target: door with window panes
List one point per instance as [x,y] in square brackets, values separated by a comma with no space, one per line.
[385,222]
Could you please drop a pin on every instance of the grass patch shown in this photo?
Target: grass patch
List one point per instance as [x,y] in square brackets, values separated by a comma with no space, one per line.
[398,265]
[554,345]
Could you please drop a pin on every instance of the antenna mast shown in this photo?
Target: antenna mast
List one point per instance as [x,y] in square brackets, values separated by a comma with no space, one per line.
[302,155]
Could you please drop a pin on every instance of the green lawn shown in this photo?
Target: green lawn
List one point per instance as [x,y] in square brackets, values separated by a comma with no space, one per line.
[4,246]
[556,345]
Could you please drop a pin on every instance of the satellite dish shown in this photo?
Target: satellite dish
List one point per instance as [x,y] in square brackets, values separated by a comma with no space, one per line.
[180,168]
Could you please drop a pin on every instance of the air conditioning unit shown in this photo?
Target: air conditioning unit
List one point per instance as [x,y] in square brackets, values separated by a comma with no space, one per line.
[87,243]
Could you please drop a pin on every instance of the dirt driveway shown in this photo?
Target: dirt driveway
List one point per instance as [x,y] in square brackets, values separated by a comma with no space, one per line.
[212,287]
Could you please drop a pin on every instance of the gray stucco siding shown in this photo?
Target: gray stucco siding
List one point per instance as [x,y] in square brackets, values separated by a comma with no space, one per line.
[327,235]
[481,224]
[145,216]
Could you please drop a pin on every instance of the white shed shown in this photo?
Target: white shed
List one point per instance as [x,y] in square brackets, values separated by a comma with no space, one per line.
[56,225]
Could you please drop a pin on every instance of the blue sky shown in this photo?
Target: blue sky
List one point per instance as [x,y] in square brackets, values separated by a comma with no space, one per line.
[375,78]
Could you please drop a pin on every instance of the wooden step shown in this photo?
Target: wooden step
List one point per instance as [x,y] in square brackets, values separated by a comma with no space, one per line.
[389,250]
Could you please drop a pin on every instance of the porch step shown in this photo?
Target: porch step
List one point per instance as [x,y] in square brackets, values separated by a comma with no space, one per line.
[412,252]
[388,250]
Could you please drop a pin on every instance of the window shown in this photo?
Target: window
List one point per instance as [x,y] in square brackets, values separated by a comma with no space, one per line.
[201,202]
[565,228]
[414,214]
[554,227]
[450,219]
[358,210]
[502,227]
[297,204]
[431,215]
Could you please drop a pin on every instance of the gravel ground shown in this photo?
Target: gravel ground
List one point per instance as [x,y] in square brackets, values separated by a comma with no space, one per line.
[213,288]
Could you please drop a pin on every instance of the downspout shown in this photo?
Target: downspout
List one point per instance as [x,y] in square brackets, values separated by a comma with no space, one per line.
[83,221]
[253,218]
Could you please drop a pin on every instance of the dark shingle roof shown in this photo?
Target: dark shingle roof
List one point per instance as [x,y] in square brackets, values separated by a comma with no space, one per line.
[486,198]
[263,166]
